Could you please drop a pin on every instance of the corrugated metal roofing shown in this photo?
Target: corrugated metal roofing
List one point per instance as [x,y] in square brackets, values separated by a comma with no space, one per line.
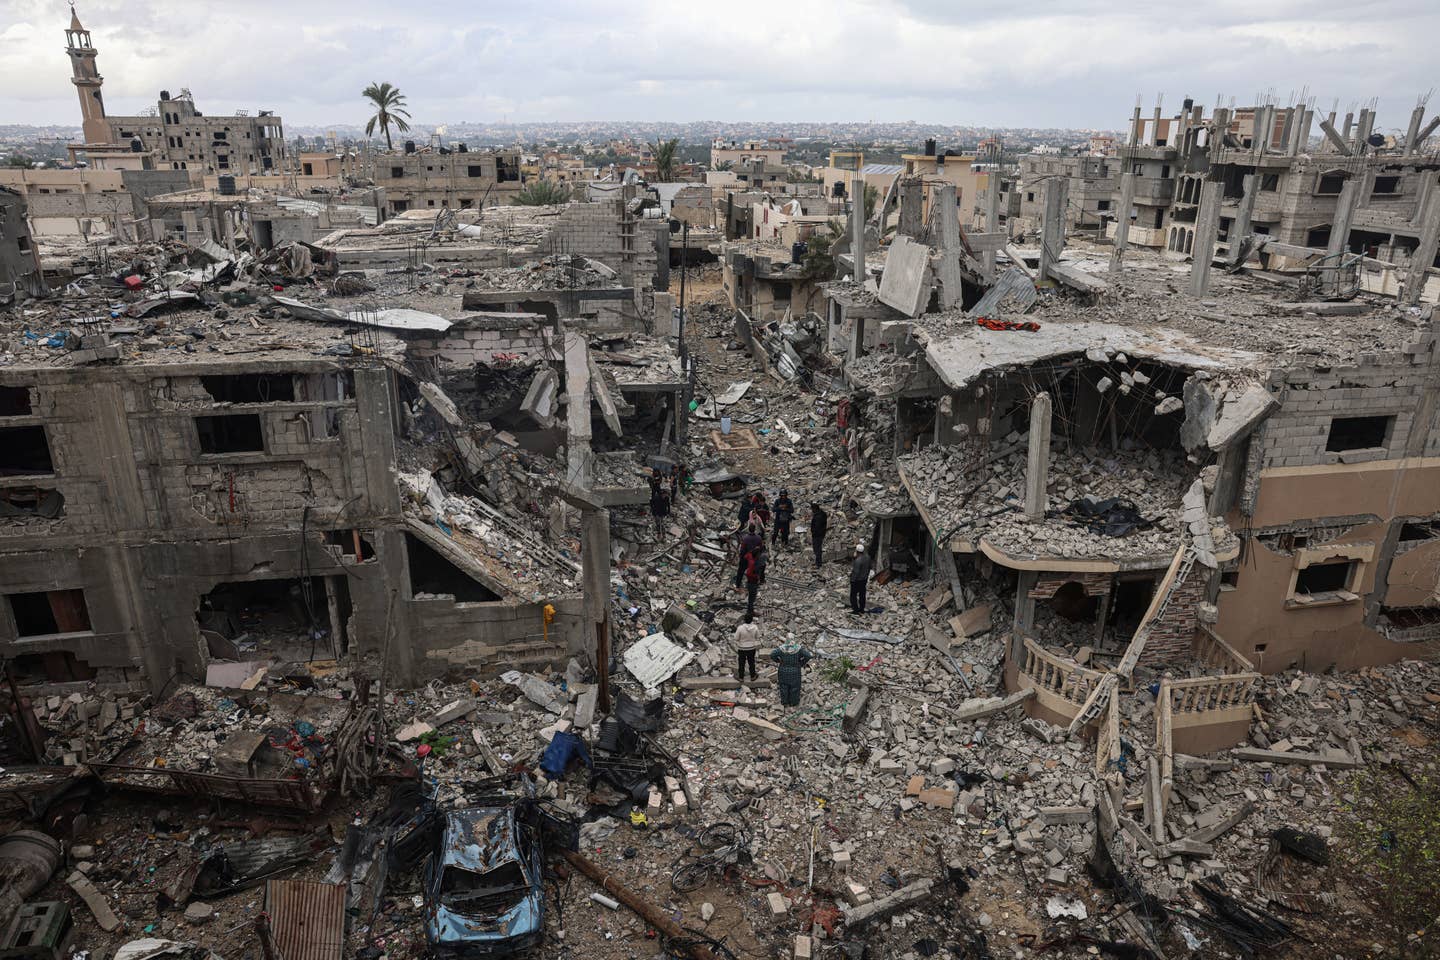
[655,659]
[307,918]
[879,169]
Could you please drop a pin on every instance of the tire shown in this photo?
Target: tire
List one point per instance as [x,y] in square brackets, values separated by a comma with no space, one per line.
[690,877]
[718,835]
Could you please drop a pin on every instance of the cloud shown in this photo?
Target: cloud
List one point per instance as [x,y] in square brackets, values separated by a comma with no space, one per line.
[1045,63]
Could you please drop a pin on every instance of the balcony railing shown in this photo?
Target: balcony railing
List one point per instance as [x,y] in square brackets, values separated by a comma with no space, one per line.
[1060,676]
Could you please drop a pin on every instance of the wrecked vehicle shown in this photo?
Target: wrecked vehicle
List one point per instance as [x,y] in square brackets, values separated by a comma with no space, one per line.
[483,886]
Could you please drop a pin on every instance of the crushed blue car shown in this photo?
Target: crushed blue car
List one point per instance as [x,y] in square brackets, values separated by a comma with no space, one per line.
[483,886]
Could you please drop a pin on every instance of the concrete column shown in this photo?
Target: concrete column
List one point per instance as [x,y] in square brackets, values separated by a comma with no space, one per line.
[1305,123]
[1347,127]
[857,225]
[1135,128]
[577,411]
[1240,229]
[1024,604]
[912,207]
[992,215]
[1052,228]
[1287,130]
[595,572]
[1297,124]
[1344,213]
[1122,224]
[1037,461]
[1330,119]
[1155,127]
[1424,254]
[1417,116]
[1207,227]
[1364,128]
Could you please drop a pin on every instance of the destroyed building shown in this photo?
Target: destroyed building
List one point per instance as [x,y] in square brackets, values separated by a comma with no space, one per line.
[20,272]
[177,136]
[430,178]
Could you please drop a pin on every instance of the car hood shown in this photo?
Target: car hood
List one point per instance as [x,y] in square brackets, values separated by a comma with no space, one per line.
[445,926]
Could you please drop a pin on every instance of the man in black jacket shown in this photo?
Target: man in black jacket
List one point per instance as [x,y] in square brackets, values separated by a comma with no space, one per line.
[819,523]
[784,513]
[859,578]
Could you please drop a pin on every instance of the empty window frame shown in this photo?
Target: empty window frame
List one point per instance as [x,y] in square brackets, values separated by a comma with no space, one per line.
[1358,433]
[1330,577]
[1385,186]
[250,387]
[49,612]
[15,402]
[25,451]
[1331,184]
[231,433]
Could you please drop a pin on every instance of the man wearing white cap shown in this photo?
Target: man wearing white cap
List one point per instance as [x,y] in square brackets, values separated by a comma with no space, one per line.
[859,578]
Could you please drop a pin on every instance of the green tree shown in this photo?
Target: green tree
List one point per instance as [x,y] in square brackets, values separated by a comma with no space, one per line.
[872,197]
[390,110]
[16,160]
[542,193]
[664,151]
[1389,843]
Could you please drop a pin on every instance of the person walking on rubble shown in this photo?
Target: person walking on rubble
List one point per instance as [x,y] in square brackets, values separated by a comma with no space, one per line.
[751,541]
[759,508]
[747,642]
[784,513]
[674,483]
[819,524]
[659,509]
[792,658]
[859,578]
[754,576]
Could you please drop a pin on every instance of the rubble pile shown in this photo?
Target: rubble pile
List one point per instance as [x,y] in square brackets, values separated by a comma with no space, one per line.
[963,500]
[556,272]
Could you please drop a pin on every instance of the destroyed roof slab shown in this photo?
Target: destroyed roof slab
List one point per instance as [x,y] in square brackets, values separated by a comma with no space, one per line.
[968,352]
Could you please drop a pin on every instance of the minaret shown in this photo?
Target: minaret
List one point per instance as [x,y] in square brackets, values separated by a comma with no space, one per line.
[87,80]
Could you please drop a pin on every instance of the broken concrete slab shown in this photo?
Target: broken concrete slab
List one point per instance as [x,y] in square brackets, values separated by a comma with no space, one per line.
[902,899]
[905,285]
[972,622]
[979,709]
[95,900]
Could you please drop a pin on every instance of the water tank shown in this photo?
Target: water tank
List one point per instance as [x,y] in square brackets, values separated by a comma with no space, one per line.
[462,148]
[226,185]
[164,94]
[137,145]
[797,251]
[409,146]
[930,147]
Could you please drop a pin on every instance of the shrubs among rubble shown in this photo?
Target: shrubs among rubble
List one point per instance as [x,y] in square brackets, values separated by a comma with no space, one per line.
[542,193]
[1389,834]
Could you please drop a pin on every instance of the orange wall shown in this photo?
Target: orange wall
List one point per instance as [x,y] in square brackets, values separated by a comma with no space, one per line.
[1315,638]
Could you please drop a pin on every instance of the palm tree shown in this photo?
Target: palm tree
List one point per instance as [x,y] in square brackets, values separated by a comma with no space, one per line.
[389,109]
[541,193]
[664,151]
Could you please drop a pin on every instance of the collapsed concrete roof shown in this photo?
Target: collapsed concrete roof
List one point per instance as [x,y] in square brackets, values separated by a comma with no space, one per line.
[966,353]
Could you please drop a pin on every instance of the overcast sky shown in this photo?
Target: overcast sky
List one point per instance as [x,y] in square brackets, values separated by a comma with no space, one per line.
[1041,63]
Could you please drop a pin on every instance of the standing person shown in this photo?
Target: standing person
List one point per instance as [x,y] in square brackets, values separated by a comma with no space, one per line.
[754,576]
[659,509]
[784,512]
[674,483]
[747,642]
[859,578]
[747,505]
[751,541]
[759,508]
[819,524]
[791,657]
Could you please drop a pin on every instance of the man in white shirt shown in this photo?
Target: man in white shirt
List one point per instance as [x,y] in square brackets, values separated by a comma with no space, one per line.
[747,641]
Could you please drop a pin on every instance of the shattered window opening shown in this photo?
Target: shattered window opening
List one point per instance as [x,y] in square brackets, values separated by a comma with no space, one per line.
[1358,433]
[496,891]
[232,433]
[433,574]
[250,387]
[1321,578]
[49,613]
[15,401]
[25,450]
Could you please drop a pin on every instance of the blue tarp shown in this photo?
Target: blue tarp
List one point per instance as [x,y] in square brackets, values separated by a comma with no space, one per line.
[564,749]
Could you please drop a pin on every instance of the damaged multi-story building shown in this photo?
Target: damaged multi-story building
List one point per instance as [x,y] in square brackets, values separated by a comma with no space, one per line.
[177,137]
[1214,475]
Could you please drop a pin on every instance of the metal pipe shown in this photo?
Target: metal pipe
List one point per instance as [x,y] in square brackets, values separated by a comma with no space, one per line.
[656,918]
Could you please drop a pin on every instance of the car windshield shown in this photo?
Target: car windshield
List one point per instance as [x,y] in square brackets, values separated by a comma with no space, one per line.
[494,892]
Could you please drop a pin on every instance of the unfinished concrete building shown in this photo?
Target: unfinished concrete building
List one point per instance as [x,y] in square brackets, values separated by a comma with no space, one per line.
[459,179]
[20,273]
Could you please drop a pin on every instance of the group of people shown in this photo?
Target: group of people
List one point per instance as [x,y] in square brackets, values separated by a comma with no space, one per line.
[755,519]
